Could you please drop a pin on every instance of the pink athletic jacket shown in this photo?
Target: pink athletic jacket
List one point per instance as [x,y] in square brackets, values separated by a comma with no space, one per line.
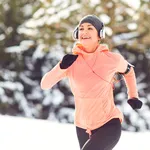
[91,80]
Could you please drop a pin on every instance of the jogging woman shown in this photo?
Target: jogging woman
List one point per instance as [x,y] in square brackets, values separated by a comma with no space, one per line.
[90,70]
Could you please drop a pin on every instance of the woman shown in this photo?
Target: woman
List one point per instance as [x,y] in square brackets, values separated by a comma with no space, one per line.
[90,70]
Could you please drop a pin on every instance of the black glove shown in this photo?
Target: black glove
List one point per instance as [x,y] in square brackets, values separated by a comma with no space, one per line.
[67,61]
[135,103]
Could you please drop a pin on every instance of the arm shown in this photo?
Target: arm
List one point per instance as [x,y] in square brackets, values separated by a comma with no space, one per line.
[130,81]
[52,77]
[58,72]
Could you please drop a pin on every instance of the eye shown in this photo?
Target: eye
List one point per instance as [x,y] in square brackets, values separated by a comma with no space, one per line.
[81,29]
[90,28]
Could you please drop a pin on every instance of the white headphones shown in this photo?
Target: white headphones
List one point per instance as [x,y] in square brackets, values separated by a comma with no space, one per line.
[101,33]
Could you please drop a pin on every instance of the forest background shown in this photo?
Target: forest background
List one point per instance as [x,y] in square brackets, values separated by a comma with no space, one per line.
[36,34]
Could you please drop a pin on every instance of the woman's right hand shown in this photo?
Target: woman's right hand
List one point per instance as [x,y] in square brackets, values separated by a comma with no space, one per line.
[67,61]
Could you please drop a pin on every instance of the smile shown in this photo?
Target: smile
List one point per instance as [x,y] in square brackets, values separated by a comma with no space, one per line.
[85,38]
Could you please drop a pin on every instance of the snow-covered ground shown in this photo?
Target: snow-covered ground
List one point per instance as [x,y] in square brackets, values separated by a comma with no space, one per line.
[30,134]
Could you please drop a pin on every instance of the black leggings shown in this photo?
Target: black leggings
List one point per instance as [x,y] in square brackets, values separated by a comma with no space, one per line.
[103,138]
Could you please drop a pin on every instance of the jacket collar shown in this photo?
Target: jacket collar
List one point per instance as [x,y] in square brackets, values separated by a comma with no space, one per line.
[100,48]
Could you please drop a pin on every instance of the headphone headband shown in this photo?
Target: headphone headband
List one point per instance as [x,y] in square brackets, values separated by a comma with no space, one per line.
[101,33]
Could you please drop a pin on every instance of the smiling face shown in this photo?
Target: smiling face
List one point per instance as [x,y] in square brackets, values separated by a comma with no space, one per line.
[88,35]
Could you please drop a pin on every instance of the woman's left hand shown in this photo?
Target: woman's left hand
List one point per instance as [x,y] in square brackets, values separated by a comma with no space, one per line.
[135,103]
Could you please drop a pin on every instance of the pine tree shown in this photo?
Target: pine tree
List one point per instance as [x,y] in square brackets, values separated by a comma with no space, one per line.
[41,33]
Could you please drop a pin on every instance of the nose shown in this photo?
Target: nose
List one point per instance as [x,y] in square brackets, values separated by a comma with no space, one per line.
[85,31]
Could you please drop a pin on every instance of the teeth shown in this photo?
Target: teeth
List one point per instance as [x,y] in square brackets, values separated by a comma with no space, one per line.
[85,37]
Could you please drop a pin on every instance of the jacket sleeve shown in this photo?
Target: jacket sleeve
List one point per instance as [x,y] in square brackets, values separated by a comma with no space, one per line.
[129,78]
[130,81]
[52,77]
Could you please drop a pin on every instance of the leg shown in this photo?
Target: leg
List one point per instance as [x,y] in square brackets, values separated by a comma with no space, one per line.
[105,137]
[82,136]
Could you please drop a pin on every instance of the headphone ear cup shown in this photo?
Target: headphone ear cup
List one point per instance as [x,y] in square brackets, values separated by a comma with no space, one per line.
[102,33]
[75,34]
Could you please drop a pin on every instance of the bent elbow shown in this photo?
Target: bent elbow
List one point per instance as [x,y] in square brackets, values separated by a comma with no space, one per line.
[43,85]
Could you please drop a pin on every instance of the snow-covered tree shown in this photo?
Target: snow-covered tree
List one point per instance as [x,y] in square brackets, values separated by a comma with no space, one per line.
[35,35]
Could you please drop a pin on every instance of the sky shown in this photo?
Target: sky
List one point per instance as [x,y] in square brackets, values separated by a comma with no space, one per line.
[17,133]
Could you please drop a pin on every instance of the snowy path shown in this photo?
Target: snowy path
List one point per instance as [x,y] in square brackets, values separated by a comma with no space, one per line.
[30,134]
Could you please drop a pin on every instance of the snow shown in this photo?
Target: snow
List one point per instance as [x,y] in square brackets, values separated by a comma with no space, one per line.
[105,18]
[63,14]
[13,49]
[42,17]
[12,85]
[2,37]
[28,10]
[134,4]
[39,52]
[39,13]
[23,133]
[47,99]
[24,45]
[58,97]
[94,2]
[132,26]
[23,104]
